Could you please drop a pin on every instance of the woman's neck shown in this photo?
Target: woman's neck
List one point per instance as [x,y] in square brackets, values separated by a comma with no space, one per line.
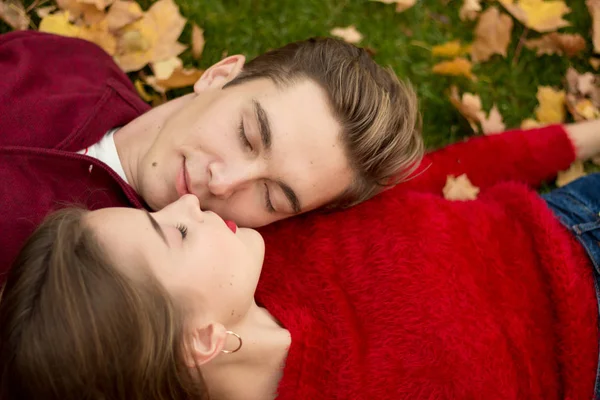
[255,371]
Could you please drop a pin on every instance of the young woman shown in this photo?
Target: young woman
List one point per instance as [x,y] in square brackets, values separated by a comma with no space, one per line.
[406,296]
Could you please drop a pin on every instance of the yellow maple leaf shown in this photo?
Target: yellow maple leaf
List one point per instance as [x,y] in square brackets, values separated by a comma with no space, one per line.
[197,41]
[450,49]
[530,123]
[164,69]
[551,109]
[123,13]
[90,13]
[575,171]
[98,33]
[59,24]
[152,38]
[492,35]
[469,106]
[492,123]
[459,188]
[458,67]
[539,15]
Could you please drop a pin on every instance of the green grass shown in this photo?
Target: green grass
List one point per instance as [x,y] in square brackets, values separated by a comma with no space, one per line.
[254,26]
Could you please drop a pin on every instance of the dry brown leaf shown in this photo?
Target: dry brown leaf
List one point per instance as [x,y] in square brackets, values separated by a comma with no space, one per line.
[459,188]
[539,15]
[401,5]
[152,38]
[557,43]
[59,24]
[575,171]
[450,49]
[469,106]
[180,78]
[595,63]
[492,35]
[123,13]
[43,12]
[551,109]
[493,122]
[594,8]
[197,41]
[350,34]
[469,10]
[13,13]
[89,12]
[458,67]
[100,4]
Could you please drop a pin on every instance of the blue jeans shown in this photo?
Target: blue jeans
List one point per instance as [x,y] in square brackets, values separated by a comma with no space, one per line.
[577,206]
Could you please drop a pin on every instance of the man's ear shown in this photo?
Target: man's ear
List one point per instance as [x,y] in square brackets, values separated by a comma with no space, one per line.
[220,73]
[203,344]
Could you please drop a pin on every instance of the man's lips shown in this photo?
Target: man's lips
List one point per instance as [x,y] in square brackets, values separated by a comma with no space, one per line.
[182,181]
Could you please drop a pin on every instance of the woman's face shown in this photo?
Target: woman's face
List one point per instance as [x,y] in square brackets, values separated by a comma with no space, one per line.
[209,264]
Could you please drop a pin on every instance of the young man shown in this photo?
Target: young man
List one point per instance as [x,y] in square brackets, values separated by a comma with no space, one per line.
[313,124]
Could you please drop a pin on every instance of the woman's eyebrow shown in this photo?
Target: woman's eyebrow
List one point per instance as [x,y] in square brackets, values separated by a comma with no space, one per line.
[157,228]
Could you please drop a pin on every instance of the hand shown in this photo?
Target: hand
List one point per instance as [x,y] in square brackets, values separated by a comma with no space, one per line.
[585,137]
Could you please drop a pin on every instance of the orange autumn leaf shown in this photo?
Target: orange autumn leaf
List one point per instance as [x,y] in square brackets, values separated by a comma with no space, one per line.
[459,188]
[557,43]
[539,15]
[492,35]
[458,67]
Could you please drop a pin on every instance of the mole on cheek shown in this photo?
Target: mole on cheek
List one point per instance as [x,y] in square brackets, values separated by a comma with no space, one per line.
[154,164]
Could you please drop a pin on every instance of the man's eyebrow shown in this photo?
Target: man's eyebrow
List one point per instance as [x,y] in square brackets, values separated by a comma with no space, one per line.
[263,124]
[157,228]
[291,196]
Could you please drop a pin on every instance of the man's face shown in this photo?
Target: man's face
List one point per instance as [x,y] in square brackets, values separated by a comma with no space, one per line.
[253,153]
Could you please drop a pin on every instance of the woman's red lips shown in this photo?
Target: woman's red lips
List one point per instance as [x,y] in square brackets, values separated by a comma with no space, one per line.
[231,225]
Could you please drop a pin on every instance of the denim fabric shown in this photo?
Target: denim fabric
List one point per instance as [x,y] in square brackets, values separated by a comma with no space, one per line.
[577,206]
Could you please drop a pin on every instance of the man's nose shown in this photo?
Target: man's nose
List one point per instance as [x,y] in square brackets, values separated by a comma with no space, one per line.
[226,180]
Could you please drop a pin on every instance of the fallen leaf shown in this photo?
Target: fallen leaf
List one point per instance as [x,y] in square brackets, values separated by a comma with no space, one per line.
[530,123]
[59,24]
[123,13]
[586,83]
[469,106]
[89,12]
[164,69]
[197,41]
[493,122]
[492,35]
[459,188]
[180,78]
[100,4]
[594,8]
[401,5]
[581,108]
[458,67]
[349,34]
[98,33]
[575,171]
[595,63]
[469,10]
[572,77]
[13,13]
[139,87]
[43,12]
[539,15]
[551,109]
[557,43]
[450,49]
[153,38]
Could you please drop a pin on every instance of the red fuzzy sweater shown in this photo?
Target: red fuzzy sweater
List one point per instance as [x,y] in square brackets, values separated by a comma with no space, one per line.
[410,296]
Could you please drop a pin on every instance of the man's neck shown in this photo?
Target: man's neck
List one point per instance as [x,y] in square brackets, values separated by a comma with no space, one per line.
[134,140]
[255,371]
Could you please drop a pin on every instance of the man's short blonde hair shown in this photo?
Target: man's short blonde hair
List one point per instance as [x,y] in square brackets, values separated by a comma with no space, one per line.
[378,113]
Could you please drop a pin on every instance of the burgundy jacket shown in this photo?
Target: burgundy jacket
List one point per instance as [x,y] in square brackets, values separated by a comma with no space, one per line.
[57,96]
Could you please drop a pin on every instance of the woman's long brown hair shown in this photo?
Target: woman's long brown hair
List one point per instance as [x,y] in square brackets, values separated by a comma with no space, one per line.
[73,327]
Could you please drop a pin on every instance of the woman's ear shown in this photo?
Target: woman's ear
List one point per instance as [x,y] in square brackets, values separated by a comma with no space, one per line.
[220,73]
[203,344]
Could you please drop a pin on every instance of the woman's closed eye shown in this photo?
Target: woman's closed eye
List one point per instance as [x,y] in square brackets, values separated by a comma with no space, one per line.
[183,230]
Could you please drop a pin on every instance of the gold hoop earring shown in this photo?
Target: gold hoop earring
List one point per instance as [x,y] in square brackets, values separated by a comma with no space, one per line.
[237,348]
